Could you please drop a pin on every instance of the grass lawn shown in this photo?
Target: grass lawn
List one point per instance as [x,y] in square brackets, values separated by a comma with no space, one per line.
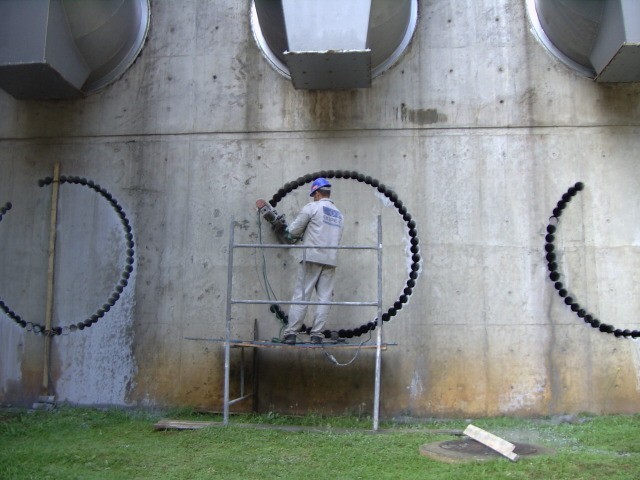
[82,443]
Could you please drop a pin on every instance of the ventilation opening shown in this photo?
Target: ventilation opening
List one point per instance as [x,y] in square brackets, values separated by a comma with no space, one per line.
[68,48]
[332,44]
[599,39]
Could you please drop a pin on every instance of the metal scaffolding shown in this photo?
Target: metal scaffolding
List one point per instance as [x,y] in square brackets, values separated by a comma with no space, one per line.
[229,342]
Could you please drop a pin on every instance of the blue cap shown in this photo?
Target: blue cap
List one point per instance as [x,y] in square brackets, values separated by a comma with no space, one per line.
[319,183]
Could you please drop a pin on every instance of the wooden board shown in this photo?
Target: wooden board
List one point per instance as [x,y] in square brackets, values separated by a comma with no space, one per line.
[182,425]
[492,441]
[236,343]
[333,345]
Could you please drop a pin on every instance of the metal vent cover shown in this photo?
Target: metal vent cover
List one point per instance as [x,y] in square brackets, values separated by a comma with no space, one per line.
[597,38]
[68,48]
[332,44]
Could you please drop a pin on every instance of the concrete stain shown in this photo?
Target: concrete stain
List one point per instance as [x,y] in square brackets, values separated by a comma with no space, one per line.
[421,116]
[330,109]
[416,389]
[524,397]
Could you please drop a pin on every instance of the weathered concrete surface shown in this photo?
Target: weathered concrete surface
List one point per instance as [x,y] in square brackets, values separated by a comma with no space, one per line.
[477,129]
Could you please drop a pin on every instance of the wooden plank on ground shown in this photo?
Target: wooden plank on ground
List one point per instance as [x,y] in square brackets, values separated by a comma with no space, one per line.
[492,441]
[324,345]
[182,425]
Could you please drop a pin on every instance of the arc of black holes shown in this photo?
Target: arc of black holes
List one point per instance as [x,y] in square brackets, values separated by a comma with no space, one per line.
[413,234]
[118,288]
[554,273]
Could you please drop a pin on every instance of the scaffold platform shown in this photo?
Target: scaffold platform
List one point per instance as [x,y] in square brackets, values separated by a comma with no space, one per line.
[328,344]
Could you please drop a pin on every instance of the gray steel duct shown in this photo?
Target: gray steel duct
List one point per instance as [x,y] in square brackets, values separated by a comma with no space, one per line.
[333,44]
[598,38]
[68,48]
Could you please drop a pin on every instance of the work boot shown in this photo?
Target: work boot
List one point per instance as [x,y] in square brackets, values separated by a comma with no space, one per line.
[315,339]
[290,339]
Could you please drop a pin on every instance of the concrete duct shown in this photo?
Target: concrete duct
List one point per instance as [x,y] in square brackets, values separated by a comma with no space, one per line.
[597,38]
[68,48]
[332,44]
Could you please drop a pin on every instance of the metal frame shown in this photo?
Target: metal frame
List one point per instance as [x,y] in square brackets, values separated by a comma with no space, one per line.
[228,342]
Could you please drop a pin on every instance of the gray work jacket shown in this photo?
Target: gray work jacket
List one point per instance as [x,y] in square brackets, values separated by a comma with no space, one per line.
[321,223]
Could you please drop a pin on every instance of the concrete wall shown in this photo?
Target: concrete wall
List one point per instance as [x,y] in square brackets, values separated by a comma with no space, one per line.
[478,129]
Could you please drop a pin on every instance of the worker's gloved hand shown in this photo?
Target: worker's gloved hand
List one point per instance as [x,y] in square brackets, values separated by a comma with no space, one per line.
[290,239]
[280,228]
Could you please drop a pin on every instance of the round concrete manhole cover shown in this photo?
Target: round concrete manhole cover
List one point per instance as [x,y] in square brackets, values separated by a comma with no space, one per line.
[468,449]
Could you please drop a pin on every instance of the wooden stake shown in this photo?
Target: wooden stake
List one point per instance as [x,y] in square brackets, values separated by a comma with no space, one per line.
[49,303]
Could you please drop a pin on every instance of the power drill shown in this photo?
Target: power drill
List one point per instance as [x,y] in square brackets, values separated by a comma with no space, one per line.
[277,221]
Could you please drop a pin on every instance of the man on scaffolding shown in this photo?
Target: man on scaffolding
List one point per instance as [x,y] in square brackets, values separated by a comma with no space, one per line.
[319,223]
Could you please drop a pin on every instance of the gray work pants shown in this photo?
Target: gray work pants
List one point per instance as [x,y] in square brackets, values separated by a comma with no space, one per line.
[311,276]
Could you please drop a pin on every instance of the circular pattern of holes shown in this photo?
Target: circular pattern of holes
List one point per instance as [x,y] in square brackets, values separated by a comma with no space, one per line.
[413,235]
[555,275]
[119,287]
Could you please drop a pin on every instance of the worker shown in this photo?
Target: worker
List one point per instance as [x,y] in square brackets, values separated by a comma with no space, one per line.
[319,223]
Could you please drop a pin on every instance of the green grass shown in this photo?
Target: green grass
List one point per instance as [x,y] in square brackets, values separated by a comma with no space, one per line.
[77,443]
